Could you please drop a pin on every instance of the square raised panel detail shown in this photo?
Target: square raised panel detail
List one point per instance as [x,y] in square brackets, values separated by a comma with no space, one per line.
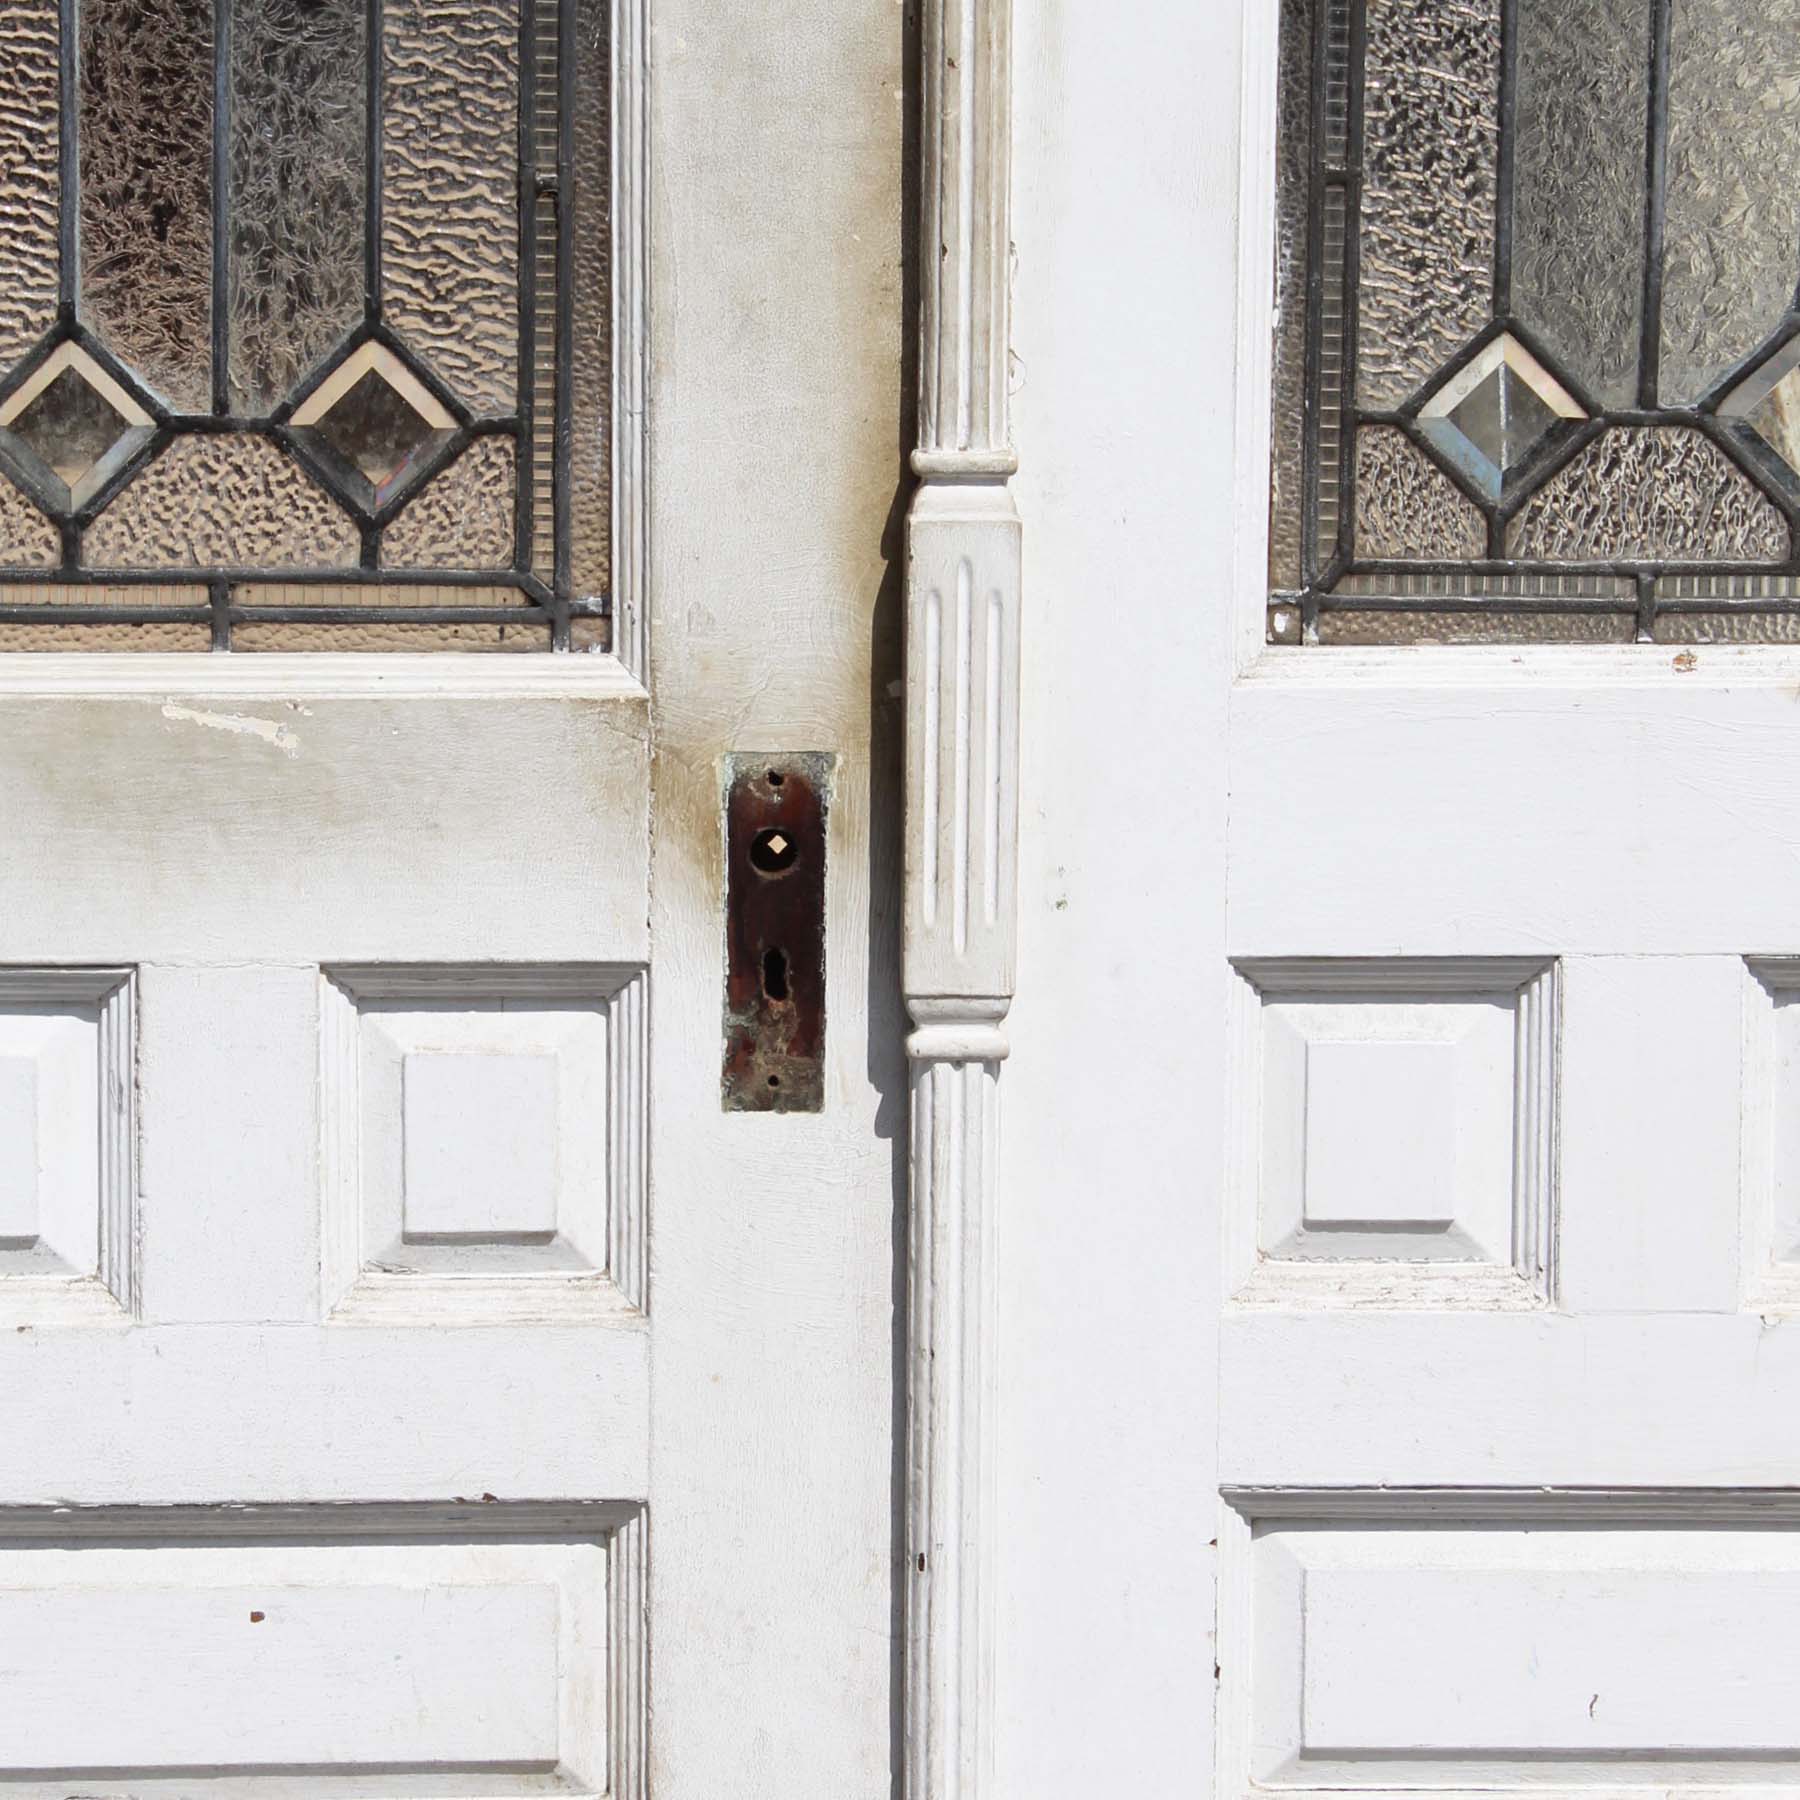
[1394,1125]
[484,1142]
[66,1137]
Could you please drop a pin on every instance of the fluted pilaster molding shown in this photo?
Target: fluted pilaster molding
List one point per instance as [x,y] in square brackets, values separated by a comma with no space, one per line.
[962,809]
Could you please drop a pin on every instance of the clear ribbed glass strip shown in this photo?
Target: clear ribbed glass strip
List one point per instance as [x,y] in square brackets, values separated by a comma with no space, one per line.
[591,328]
[1293,148]
[1328,431]
[546,132]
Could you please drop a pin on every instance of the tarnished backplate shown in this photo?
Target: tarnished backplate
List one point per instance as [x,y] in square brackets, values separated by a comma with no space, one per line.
[775,818]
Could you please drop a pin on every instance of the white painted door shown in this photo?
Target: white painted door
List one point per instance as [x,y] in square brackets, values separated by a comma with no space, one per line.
[1507,1387]
[408,1361]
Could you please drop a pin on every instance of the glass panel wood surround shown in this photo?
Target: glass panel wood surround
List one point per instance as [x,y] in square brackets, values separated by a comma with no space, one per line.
[1537,346]
[305,340]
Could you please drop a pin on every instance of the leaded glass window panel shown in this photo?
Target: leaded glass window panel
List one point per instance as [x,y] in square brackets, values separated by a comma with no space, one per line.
[1537,347]
[305,341]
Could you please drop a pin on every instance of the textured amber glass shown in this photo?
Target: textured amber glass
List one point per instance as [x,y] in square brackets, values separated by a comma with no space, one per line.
[304,302]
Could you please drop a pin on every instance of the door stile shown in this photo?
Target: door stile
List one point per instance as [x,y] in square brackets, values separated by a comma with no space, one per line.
[962,688]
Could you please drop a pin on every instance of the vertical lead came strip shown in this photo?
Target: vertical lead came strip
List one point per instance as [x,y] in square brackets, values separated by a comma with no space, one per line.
[963,540]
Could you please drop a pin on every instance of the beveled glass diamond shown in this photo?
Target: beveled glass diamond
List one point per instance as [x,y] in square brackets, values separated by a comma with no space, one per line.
[376,421]
[70,425]
[1491,415]
[73,423]
[1768,402]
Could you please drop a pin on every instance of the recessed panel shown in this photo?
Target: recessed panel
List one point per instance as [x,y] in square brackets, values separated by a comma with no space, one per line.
[1614,1643]
[369,1651]
[1400,1113]
[1770,1203]
[65,1145]
[483,1140]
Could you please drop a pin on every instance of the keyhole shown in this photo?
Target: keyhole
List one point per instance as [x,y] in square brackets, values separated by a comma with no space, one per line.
[775,974]
[773,851]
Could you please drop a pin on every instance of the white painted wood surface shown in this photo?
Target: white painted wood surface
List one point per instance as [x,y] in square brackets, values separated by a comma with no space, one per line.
[1473,1547]
[963,621]
[1603,1477]
[628,1389]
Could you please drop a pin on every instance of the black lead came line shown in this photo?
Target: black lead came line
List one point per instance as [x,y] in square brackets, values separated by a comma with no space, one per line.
[1656,162]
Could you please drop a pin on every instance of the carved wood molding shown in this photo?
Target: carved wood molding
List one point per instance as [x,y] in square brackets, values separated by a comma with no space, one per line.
[962,808]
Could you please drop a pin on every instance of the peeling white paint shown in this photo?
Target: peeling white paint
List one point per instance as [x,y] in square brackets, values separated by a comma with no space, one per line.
[241,724]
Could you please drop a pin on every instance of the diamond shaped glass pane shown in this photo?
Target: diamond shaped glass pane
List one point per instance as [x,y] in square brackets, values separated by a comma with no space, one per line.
[1503,419]
[70,425]
[73,424]
[377,429]
[1768,401]
[377,423]
[1491,415]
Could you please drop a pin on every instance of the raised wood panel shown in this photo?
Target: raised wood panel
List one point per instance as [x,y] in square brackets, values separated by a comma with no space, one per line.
[1396,1133]
[1489,1642]
[374,1650]
[483,1142]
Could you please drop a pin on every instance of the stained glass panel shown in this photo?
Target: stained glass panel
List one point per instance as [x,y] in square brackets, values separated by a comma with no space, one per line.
[1536,323]
[306,336]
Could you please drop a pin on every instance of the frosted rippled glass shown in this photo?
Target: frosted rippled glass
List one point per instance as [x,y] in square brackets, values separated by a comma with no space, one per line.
[1749,626]
[450,174]
[1583,87]
[1407,508]
[29,181]
[1733,231]
[1431,142]
[223,500]
[298,161]
[146,113]
[1475,626]
[1650,493]
[27,539]
[291,635]
[160,636]
[464,519]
